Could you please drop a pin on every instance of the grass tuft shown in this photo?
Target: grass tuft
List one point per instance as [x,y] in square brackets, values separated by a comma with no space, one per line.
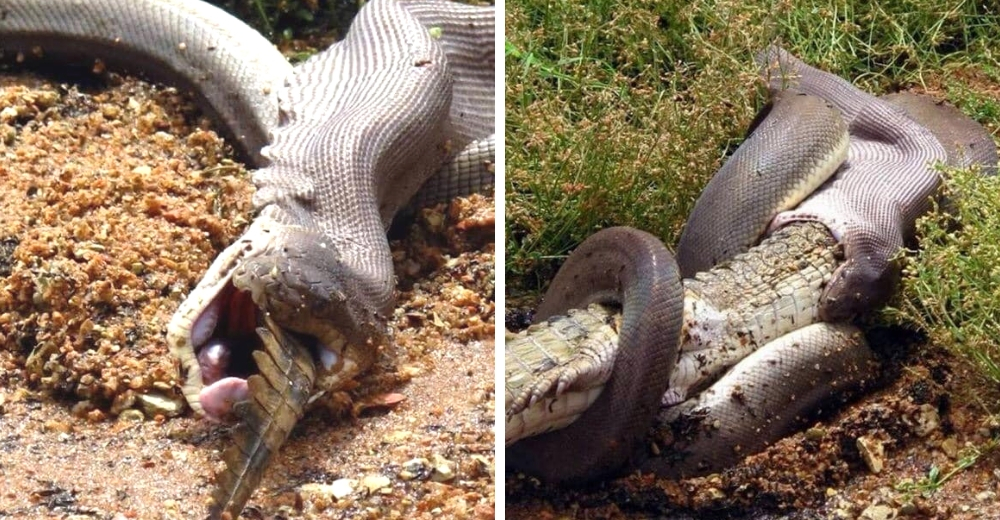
[951,289]
[619,112]
[930,484]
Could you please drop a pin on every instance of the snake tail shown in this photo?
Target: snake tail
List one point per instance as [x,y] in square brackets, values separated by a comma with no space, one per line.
[278,396]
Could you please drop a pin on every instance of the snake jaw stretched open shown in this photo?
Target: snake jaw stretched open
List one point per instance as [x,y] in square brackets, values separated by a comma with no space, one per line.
[232,312]
[237,75]
[352,135]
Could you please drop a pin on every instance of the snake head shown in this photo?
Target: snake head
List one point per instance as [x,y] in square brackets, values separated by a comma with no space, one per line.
[864,282]
[296,278]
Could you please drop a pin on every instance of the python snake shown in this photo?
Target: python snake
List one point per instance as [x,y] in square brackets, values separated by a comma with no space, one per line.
[342,142]
[766,334]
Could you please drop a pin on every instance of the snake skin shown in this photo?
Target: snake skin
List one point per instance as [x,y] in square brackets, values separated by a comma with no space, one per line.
[554,368]
[237,76]
[632,269]
[872,204]
[345,140]
[866,211]
[964,140]
[733,211]
[467,35]
[763,398]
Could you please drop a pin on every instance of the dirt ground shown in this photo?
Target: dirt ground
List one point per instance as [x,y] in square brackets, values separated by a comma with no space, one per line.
[930,414]
[116,200]
[928,411]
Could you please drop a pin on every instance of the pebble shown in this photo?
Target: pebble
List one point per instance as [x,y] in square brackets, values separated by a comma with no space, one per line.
[419,468]
[872,452]
[950,447]
[8,114]
[878,512]
[342,488]
[815,433]
[156,404]
[81,408]
[122,402]
[110,111]
[927,420]
[315,497]
[396,436]
[716,494]
[374,483]
[58,426]
[131,415]
[986,496]
[484,466]
[444,469]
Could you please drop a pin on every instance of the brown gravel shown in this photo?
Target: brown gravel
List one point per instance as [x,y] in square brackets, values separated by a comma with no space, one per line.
[928,413]
[115,203]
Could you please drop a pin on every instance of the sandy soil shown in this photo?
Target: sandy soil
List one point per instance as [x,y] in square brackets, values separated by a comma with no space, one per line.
[115,201]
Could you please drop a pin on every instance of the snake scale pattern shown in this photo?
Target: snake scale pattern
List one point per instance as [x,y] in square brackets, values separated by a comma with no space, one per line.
[404,103]
[767,334]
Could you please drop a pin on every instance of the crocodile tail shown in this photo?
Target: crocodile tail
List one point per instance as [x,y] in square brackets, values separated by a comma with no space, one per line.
[278,395]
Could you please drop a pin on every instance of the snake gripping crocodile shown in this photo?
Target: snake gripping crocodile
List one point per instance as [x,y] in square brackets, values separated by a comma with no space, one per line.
[404,103]
[765,335]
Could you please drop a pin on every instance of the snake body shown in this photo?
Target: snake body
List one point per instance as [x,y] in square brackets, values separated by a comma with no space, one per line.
[343,141]
[728,313]
[734,209]
[712,415]
[633,269]
[871,206]
[181,42]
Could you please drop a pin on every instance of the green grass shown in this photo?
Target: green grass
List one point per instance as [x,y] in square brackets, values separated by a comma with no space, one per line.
[935,478]
[951,289]
[287,19]
[619,112]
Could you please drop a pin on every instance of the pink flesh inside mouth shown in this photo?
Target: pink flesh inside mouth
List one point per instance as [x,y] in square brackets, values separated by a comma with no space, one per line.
[218,398]
[224,337]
